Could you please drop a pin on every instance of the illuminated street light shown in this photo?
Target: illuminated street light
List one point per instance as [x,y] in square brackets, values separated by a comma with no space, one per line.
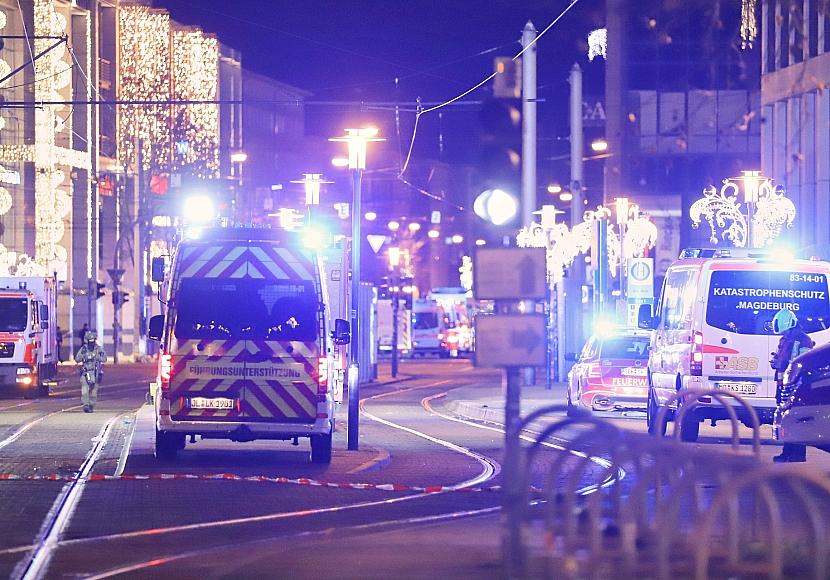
[457,239]
[239,157]
[496,206]
[370,216]
[340,162]
[480,242]
[433,234]
[414,227]
[311,182]
[566,196]
[357,140]
[393,226]
[554,188]
[599,146]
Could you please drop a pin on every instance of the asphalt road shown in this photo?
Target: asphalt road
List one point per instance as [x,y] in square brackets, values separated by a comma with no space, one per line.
[81,495]
[221,509]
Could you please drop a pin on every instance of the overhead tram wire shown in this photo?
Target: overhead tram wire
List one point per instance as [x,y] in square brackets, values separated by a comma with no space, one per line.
[453,100]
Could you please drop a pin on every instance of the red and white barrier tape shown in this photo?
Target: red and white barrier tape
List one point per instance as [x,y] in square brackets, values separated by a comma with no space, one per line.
[252,478]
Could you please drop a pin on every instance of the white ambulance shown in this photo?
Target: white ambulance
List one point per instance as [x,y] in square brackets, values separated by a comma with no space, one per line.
[28,334]
[250,346]
[713,330]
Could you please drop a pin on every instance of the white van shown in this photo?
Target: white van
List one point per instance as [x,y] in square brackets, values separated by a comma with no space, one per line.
[713,328]
[429,329]
[249,345]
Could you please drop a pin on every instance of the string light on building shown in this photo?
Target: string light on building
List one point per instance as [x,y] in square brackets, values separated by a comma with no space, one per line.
[768,210]
[196,78]
[144,74]
[749,26]
[5,201]
[597,43]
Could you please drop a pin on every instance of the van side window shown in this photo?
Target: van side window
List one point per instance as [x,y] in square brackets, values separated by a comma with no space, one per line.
[677,305]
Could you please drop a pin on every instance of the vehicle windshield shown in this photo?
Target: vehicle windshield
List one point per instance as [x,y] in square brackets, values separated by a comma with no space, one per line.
[745,302]
[631,347]
[424,320]
[14,314]
[212,308]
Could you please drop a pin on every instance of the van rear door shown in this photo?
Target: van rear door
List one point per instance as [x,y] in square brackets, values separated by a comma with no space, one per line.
[282,302]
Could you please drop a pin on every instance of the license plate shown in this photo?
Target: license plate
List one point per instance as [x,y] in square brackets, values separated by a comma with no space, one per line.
[740,388]
[211,403]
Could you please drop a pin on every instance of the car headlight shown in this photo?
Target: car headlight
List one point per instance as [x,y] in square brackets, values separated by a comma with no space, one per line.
[792,373]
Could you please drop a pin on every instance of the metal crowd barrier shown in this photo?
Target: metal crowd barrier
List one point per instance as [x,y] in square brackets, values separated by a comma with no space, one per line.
[615,503]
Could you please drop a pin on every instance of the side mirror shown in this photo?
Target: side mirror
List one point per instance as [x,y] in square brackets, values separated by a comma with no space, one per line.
[44,313]
[156,327]
[571,357]
[645,319]
[158,269]
[342,333]
[44,324]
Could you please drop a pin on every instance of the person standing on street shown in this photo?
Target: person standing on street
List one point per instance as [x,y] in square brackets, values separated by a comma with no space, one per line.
[794,341]
[91,357]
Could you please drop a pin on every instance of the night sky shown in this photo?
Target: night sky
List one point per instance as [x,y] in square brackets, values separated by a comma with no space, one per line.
[353,50]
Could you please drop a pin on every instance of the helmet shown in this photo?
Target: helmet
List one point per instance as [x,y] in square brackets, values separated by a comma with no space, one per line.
[784,320]
[90,336]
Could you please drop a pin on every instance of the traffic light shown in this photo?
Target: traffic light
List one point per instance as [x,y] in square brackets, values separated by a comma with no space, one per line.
[100,287]
[500,163]
[120,298]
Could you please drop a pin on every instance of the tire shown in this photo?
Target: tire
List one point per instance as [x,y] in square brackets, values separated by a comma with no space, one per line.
[168,444]
[321,449]
[652,410]
[570,409]
[690,429]
[43,390]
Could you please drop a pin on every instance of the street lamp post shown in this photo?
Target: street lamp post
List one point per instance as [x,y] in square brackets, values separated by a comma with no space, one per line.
[357,140]
[394,291]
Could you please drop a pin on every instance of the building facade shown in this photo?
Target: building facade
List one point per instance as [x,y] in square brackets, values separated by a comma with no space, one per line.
[795,76]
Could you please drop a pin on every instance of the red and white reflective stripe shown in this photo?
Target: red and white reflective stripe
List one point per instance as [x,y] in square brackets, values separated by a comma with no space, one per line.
[253,479]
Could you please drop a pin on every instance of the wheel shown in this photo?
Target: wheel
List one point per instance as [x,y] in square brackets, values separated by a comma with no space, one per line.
[690,428]
[43,390]
[652,410]
[570,409]
[168,444]
[321,448]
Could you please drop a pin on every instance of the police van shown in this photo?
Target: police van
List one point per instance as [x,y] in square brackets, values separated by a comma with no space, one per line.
[713,329]
[253,340]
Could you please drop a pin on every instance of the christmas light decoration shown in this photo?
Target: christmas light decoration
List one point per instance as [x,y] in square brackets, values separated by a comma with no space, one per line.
[196,78]
[144,74]
[3,19]
[597,43]
[768,210]
[5,201]
[749,27]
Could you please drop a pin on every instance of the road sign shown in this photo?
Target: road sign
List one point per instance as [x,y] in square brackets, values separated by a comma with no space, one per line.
[510,340]
[376,242]
[641,278]
[115,274]
[509,274]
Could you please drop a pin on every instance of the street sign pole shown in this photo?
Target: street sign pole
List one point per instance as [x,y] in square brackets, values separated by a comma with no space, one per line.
[395,315]
[512,543]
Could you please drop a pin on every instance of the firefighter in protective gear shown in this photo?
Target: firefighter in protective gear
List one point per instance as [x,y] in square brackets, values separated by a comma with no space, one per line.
[91,358]
[794,341]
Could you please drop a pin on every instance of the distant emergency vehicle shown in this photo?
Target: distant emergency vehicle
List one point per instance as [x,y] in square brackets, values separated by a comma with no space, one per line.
[713,328]
[253,341]
[28,334]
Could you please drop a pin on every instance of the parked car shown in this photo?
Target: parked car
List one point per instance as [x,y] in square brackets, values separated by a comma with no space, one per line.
[804,413]
[610,372]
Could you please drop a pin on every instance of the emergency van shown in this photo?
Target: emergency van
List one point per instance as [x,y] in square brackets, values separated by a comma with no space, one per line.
[429,329]
[252,343]
[713,329]
[28,334]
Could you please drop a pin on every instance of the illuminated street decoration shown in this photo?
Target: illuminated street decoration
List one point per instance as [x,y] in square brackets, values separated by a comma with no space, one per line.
[144,74]
[768,211]
[749,28]
[196,78]
[597,43]
[51,149]
[5,201]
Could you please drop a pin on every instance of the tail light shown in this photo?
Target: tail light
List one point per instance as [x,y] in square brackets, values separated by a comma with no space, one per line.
[696,365]
[322,375]
[165,370]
